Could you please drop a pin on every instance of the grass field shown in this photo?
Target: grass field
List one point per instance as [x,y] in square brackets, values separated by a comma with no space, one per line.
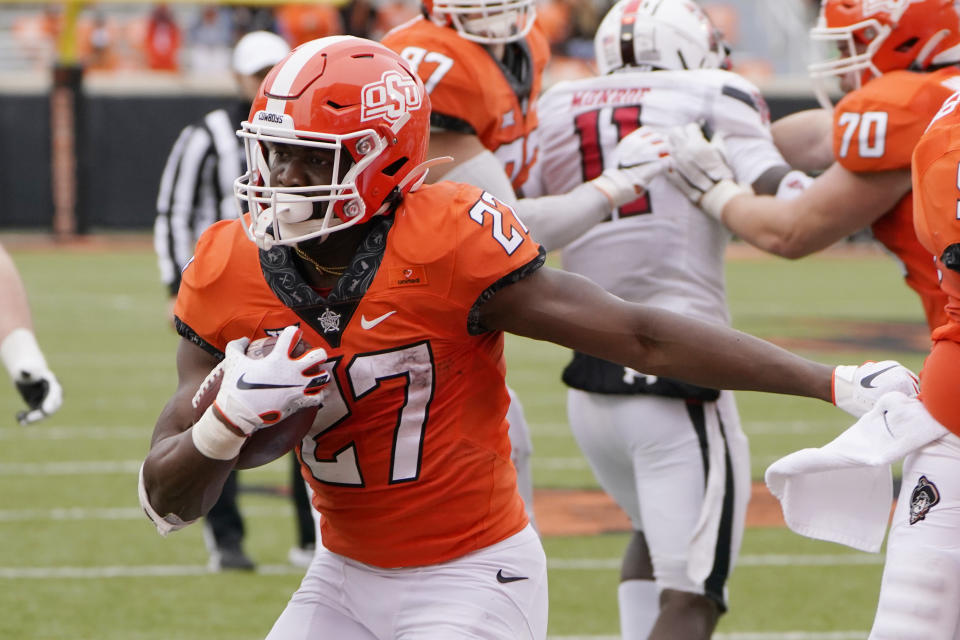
[78,560]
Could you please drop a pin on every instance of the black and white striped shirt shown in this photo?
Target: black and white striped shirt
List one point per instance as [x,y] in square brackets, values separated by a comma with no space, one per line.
[196,188]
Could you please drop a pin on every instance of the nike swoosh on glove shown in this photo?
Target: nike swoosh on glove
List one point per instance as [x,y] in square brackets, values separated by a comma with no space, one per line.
[639,158]
[700,170]
[258,392]
[857,389]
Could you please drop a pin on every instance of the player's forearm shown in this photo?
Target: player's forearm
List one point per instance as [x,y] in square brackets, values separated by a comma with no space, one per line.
[804,138]
[719,357]
[14,311]
[572,311]
[775,226]
[180,480]
[556,221]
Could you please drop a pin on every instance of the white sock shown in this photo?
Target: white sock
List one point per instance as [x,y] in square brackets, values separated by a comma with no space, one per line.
[639,602]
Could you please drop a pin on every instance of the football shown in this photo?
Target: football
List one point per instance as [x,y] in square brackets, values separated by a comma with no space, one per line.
[268,444]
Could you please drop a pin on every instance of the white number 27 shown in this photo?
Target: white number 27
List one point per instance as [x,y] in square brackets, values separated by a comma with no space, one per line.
[364,373]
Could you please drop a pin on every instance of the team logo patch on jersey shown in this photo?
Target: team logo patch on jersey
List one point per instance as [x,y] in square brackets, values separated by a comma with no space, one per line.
[405,276]
[391,98]
[507,120]
[329,321]
[924,496]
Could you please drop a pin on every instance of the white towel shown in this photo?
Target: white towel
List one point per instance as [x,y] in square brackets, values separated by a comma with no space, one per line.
[842,492]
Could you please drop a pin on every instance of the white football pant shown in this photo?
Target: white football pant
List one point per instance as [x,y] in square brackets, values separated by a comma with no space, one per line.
[496,593]
[680,471]
[920,592]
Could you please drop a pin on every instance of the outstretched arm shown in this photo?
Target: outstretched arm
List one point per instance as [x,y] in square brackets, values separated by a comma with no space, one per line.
[572,311]
[834,205]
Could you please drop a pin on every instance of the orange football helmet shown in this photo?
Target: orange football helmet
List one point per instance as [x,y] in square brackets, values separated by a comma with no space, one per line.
[484,21]
[876,36]
[349,96]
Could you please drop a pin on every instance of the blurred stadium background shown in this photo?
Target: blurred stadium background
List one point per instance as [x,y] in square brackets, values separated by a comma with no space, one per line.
[92,95]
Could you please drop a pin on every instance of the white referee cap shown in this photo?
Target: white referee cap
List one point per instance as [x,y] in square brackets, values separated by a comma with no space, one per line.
[257,51]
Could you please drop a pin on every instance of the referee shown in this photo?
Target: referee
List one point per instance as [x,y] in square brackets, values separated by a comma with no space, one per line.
[196,190]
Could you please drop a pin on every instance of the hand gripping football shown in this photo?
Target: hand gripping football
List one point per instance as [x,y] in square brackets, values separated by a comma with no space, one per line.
[266,444]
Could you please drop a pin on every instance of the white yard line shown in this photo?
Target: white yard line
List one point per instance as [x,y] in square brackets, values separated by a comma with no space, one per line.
[77,433]
[108,467]
[573,564]
[111,513]
[93,467]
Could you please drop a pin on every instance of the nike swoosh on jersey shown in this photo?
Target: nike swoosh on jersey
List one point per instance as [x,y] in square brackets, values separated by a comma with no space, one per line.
[865,383]
[370,324]
[502,579]
[243,384]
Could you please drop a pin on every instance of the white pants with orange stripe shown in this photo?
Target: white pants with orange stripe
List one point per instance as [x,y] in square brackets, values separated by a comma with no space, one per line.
[495,593]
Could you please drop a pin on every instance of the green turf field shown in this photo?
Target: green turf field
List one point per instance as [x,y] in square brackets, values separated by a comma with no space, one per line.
[79,561]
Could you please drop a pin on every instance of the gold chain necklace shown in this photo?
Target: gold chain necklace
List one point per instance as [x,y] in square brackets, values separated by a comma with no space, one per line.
[330,271]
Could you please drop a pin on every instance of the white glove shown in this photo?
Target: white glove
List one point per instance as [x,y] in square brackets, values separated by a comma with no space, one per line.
[639,158]
[257,392]
[28,368]
[857,389]
[700,171]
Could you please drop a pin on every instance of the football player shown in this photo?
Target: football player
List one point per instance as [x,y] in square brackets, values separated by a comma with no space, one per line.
[404,290]
[482,64]
[922,542]
[19,351]
[661,64]
[898,63]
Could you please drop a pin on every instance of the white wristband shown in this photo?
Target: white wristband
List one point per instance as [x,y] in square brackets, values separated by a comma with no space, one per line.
[714,200]
[20,352]
[844,377]
[214,439]
[164,524]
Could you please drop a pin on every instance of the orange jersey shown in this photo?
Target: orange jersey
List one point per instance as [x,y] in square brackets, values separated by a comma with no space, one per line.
[472,92]
[408,458]
[875,129]
[936,187]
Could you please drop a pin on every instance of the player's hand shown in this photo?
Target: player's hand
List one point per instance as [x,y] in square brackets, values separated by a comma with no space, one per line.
[256,393]
[639,158]
[856,389]
[41,391]
[700,170]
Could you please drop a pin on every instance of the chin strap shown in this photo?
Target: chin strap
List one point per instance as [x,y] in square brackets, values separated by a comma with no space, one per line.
[931,44]
[416,177]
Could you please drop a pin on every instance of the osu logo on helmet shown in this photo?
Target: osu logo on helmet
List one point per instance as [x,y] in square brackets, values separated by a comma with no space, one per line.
[390,98]
[353,100]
